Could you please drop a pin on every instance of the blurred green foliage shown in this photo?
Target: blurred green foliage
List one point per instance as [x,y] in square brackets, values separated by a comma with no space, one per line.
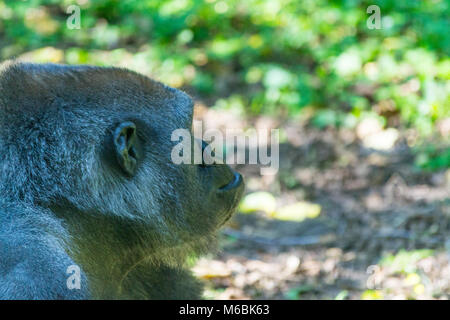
[280,57]
[431,158]
[405,261]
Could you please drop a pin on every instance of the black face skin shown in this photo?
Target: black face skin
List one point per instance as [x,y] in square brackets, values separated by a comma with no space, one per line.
[86,179]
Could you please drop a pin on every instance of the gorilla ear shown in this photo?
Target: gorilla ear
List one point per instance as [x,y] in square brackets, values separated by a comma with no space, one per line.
[125,147]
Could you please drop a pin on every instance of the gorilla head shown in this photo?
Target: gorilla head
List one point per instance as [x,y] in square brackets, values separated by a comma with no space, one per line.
[89,148]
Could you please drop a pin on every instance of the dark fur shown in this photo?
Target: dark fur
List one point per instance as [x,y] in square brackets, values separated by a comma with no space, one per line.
[65,201]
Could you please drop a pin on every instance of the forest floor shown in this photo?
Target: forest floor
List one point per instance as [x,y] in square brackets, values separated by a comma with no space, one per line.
[383,231]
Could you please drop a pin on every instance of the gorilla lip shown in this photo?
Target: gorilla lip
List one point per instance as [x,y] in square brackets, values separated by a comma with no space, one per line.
[237,180]
[236,183]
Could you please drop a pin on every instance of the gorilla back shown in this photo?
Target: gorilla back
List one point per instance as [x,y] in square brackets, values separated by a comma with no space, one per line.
[91,205]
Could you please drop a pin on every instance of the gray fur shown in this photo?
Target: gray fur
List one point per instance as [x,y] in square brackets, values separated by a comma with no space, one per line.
[64,201]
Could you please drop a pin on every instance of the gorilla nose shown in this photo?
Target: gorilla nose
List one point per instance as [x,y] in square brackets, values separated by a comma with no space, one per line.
[225,177]
[234,183]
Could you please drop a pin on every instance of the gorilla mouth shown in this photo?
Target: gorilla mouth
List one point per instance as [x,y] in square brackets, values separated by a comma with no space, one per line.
[236,182]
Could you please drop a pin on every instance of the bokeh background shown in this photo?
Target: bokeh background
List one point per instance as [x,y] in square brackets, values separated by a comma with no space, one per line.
[359,208]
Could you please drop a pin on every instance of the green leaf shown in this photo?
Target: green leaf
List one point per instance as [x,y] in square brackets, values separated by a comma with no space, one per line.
[298,211]
[405,261]
[258,201]
[372,295]
[294,293]
[342,295]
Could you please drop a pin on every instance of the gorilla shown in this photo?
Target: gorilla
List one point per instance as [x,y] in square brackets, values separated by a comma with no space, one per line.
[91,205]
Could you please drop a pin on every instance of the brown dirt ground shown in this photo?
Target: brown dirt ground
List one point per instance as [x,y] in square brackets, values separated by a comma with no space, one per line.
[374,204]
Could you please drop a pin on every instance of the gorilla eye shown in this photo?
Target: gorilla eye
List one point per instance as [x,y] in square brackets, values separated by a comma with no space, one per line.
[125,147]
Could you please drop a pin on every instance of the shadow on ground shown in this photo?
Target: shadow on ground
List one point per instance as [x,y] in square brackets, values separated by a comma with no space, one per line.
[383,231]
